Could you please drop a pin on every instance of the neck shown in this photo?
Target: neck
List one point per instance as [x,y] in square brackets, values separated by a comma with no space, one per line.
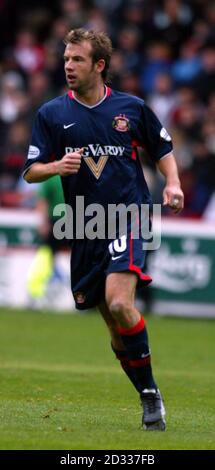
[92,95]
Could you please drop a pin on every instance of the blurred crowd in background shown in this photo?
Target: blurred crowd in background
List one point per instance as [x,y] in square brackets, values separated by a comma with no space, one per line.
[164,52]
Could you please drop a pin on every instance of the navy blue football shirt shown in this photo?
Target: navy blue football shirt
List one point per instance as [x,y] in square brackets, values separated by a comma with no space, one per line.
[110,133]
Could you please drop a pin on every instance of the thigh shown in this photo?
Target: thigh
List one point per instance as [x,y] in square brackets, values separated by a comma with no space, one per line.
[121,287]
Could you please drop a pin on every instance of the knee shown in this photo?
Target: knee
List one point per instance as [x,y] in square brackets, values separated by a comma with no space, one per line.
[119,308]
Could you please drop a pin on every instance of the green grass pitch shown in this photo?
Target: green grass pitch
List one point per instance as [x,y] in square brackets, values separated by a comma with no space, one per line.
[61,387]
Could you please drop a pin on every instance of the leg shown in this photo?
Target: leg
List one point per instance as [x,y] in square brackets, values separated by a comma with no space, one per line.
[117,344]
[112,325]
[120,292]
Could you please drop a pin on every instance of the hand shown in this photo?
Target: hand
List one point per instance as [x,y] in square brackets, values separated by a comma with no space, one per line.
[173,197]
[70,163]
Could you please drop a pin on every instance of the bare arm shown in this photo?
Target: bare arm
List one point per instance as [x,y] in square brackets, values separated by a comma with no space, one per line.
[68,165]
[172,193]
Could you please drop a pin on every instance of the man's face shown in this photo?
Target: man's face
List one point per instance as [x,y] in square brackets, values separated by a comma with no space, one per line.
[79,68]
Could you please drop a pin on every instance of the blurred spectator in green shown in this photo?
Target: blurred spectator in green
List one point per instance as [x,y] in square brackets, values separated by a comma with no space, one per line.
[43,267]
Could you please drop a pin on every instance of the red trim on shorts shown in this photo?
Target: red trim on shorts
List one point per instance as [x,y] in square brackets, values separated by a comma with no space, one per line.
[136,269]
[132,331]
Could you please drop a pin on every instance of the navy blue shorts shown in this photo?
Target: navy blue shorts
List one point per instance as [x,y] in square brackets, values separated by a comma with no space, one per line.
[93,260]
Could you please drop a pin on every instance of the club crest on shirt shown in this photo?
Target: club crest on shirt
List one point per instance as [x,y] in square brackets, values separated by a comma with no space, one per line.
[121,123]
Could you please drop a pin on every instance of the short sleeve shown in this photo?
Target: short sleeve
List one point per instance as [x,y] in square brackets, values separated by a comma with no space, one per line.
[40,148]
[152,135]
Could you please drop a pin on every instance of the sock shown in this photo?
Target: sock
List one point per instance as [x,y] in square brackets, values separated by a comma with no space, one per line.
[124,361]
[135,340]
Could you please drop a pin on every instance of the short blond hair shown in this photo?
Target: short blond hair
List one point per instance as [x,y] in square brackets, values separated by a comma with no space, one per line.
[101,45]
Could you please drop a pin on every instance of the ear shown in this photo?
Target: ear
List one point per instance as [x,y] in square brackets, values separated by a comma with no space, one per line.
[100,65]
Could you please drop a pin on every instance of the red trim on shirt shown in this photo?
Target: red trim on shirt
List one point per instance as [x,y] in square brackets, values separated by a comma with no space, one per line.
[108,91]
[70,93]
[134,149]
[136,143]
